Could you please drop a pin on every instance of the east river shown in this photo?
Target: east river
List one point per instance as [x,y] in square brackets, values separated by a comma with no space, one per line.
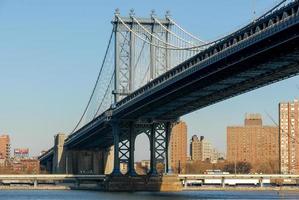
[91,195]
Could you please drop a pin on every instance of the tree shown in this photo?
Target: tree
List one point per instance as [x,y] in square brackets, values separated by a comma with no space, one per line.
[200,167]
[239,168]
[268,167]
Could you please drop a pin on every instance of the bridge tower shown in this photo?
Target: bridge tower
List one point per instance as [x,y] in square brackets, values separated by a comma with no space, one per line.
[129,55]
[139,51]
[129,51]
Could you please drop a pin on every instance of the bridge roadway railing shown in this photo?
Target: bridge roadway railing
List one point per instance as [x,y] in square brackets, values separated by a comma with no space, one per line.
[101,118]
[235,179]
[269,23]
[237,176]
[55,177]
[46,154]
[49,178]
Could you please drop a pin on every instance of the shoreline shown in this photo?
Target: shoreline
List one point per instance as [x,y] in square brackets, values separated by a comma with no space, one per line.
[34,188]
[64,187]
[287,188]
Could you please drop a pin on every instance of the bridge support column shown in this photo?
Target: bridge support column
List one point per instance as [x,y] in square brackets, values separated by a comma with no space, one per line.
[159,145]
[261,182]
[108,160]
[35,183]
[59,154]
[223,182]
[69,162]
[168,148]
[98,162]
[116,162]
[132,137]
[124,145]
[153,164]
[49,166]
[185,183]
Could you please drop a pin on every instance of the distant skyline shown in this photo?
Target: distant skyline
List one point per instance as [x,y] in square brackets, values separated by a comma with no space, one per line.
[51,51]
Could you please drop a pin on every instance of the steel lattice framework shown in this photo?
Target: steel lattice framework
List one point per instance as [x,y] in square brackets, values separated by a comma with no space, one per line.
[154,71]
[139,50]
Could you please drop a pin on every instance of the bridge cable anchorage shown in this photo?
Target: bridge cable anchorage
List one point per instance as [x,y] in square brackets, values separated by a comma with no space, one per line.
[95,86]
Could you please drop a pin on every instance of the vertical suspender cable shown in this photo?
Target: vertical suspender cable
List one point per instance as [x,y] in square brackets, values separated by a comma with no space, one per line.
[96,83]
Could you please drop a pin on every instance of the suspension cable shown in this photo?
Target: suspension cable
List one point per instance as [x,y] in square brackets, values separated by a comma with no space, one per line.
[110,82]
[191,35]
[221,38]
[159,46]
[96,83]
[171,32]
[193,48]
[139,56]
[152,35]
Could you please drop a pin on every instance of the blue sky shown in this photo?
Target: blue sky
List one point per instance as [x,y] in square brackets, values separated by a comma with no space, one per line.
[51,50]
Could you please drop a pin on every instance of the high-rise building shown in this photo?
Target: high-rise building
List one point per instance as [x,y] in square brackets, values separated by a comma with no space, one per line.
[253,142]
[195,148]
[216,155]
[178,146]
[206,149]
[30,166]
[289,137]
[4,147]
[202,150]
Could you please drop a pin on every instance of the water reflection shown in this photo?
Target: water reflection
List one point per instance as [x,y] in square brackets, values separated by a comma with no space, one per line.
[92,195]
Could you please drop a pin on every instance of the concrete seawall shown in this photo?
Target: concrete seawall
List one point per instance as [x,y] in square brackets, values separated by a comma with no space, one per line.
[169,183]
[143,183]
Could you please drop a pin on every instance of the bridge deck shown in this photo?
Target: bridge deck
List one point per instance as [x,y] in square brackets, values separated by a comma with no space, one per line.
[259,54]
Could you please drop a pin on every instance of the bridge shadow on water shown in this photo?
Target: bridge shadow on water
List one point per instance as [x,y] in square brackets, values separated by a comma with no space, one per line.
[90,195]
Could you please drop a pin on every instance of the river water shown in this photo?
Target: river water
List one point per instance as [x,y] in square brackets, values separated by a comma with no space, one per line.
[91,195]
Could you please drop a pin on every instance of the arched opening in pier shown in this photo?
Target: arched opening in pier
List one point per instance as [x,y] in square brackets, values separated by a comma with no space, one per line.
[142,154]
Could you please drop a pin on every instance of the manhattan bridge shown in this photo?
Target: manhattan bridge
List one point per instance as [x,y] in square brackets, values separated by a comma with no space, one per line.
[154,71]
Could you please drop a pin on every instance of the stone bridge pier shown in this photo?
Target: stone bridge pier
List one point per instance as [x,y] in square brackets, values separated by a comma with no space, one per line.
[75,161]
[108,161]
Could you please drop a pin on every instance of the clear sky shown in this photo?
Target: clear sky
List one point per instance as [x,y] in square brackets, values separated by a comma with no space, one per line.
[51,50]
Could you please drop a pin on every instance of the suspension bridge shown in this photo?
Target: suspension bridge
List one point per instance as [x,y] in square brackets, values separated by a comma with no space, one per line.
[154,71]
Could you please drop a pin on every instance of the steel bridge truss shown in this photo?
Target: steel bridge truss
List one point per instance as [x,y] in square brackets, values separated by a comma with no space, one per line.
[125,133]
[131,53]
